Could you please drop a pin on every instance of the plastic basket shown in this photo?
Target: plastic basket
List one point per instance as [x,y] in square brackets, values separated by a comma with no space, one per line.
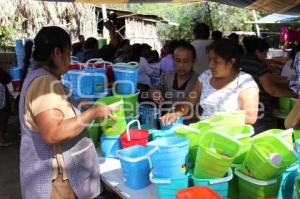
[215,154]
[109,145]
[108,126]
[134,136]
[170,161]
[135,165]
[257,163]
[219,185]
[179,121]
[193,134]
[130,103]
[287,182]
[166,188]
[251,188]
[126,77]
[156,134]
[197,192]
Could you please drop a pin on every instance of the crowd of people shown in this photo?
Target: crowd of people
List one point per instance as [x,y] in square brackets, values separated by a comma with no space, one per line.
[196,79]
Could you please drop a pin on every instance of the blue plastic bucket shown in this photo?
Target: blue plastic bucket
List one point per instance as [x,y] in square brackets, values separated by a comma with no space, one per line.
[126,78]
[179,121]
[166,188]
[148,115]
[156,134]
[219,185]
[135,165]
[297,144]
[287,182]
[15,73]
[170,161]
[81,84]
[99,80]
[109,145]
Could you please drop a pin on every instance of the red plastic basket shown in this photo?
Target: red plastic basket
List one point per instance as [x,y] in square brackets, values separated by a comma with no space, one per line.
[132,137]
[197,192]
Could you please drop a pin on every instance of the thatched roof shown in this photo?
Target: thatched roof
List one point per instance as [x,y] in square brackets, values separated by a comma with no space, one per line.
[29,16]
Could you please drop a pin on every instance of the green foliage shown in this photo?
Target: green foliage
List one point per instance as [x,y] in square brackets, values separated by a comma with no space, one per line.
[224,18]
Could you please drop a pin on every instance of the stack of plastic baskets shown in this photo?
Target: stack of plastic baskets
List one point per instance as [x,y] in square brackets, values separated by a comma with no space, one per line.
[197,192]
[258,164]
[169,162]
[250,188]
[135,165]
[20,52]
[193,134]
[219,185]
[81,84]
[148,115]
[242,133]
[287,182]
[98,76]
[110,140]
[215,155]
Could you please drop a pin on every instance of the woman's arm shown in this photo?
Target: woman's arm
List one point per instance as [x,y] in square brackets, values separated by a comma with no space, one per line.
[184,108]
[55,129]
[293,117]
[249,100]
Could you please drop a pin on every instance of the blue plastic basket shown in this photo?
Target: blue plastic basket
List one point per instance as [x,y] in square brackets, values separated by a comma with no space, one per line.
[170,161]
[156,134]
[135,165]
[179,121]
[148,115]
[219,185]
[287,182]
[15,73]
[126,78]
[109,145]
[166,188]
[99,80]
[81,84]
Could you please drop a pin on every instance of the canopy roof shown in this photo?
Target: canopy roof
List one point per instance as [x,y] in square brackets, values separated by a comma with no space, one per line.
[273,6]
[278,18]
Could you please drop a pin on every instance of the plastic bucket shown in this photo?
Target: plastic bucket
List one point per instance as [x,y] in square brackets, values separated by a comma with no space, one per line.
[135,165]
[258,162]
[287,182]
[251,188]
[179,121]
[99,80]
[241,132]
[215,155]
[297,147]
[134,136]
[81,84]
[156,134]
[233,186]
[287,135]
[170,161]
[15,73]
[126,78]
[197,192]
[130,103]
[284,104]
[166,188]
[108,126]
[109,145]
[100,63]
[219,185]
[193,134]
[148,115]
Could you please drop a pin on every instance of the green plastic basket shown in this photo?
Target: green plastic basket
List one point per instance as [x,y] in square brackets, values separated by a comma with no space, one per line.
[193,134]
[108,126]
[257,163]
[215,163]
[241,132]
[94,133]
[250,188]
[233,187]
[286,135]
[130,103]
[285,104]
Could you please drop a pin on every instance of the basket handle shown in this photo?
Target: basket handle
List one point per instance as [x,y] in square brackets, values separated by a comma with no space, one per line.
[133,63]
[102,62]
[144,157]
[129,124]
[221,180]
[159,181]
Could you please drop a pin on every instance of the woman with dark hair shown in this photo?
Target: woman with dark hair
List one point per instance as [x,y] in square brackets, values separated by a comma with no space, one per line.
[57,158]
[222,88]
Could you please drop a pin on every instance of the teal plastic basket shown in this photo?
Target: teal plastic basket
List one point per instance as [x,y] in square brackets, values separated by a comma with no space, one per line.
[166,188]
[219,185]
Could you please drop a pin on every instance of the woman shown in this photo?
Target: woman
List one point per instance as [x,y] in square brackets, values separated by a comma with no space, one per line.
[174,86]
[57,159]
[222,88]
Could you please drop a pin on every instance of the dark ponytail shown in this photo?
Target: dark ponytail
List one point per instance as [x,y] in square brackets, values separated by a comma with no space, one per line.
[47,39]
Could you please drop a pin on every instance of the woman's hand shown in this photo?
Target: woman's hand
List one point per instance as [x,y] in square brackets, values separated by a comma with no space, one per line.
[103,112]
[170,118]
